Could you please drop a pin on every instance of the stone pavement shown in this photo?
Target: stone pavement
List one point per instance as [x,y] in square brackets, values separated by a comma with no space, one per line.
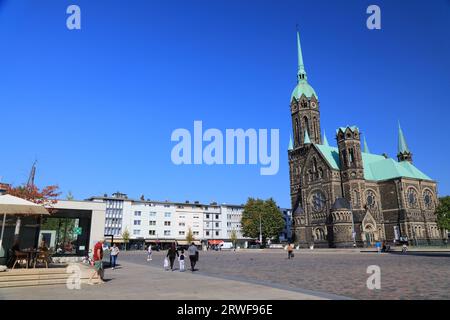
[415,275]
[134,281]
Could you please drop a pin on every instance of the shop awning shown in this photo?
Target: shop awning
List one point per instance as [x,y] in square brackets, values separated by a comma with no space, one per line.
[214,242]
[18,206]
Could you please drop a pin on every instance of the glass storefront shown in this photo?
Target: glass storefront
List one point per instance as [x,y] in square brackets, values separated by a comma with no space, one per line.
[60,235]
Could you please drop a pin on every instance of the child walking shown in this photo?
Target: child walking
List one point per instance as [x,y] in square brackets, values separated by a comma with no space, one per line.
[149,252]
[181,259]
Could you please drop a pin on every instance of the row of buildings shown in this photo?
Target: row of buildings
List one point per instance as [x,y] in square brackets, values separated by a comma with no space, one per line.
[74,226]
[165,221]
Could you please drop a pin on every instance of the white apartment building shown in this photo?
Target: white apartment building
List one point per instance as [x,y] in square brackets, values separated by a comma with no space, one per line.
[149,221]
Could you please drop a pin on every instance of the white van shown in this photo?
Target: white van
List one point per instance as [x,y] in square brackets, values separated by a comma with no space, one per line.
[226,245]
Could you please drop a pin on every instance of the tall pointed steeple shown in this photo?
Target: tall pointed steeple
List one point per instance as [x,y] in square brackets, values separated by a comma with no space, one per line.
[291,146]
[366,147]
[403,152]
[307,140]
[325,140]
[301,72]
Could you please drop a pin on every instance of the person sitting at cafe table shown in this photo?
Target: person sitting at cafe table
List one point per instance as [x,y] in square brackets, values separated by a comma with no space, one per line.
[12,253]
[43,246]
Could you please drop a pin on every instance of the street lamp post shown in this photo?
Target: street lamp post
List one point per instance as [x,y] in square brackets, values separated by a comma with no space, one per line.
[353,231]
[260,230]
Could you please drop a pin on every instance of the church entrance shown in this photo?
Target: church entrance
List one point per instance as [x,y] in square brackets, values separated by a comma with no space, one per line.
[370,235]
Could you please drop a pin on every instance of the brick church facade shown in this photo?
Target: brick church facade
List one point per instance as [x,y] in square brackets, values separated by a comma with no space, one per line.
[345,196]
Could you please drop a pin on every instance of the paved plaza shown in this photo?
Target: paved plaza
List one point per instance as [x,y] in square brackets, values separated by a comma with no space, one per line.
[264,274]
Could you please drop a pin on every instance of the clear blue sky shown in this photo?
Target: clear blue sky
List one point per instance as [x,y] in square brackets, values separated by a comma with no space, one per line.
[97,107]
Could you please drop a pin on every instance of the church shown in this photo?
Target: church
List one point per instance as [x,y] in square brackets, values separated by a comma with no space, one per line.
[346,196]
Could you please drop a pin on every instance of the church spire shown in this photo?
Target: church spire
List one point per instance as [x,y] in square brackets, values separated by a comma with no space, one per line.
[366,147]
[403,152]
[291,147]
[301,73]
[325,140]
[307,140]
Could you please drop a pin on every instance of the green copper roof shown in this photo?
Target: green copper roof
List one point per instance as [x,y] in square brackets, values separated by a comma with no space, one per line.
[290,143]
[376,167]
[366,147]
[307,140]
[325,140]
[303,87]
[402,146]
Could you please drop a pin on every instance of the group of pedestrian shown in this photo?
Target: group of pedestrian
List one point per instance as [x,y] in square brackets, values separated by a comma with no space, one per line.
[97,260]
[173,253]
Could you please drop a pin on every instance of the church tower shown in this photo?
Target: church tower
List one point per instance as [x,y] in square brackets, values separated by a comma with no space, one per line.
[304,106]
[352,169]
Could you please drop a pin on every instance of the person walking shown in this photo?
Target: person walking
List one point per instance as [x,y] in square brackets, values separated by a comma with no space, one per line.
[149,253]
[193,255]
[182,260]
[290,251]
[172,253]
[114,253]
[404,248]
[98,264]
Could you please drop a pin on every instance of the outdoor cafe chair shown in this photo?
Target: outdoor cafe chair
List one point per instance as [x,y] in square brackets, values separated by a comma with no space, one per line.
[42,256]
[20,258]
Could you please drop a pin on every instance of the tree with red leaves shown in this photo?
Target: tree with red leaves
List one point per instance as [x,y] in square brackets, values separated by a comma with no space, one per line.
[45,196]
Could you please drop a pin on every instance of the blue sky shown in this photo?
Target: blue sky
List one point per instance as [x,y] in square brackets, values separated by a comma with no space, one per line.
[97,106]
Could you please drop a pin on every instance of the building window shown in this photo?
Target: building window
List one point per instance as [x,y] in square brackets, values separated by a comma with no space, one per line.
[167,214]
[207,216]
[137,222]
[167,232]
[181,224]
[217,233]
[167,223]
[412,198]
[151,232]
[152,214]
[152,223]
[217,224]
[428,199]
[195,233]
[181,233]
[371,203]
[196,217]
[217,216]
[182,217]
[136,232]
[207,233]
[137,213]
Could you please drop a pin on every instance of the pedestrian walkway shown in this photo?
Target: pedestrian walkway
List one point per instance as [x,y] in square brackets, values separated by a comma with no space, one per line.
[133,281]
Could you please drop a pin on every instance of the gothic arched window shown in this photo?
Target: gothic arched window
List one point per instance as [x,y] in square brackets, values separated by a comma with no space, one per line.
[351,155]
[297,131]
[371,199]
[306,121]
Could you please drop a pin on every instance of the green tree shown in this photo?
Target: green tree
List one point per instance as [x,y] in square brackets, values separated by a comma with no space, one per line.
[233,238]
[126,237]
[266,213]
[190,236]
[443,213]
